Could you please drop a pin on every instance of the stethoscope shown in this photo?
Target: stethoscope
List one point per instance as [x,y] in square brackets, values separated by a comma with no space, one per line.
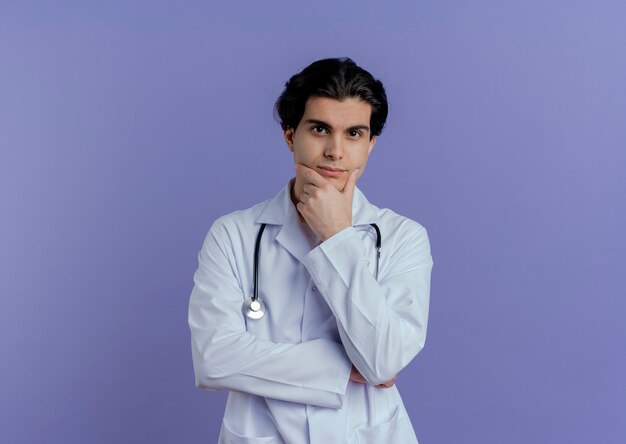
[253,307]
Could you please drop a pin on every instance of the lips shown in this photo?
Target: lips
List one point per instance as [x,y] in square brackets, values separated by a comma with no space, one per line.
[330,171]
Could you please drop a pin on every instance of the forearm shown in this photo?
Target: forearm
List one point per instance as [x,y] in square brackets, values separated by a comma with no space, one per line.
[227,356]
[314,372]
[382,325]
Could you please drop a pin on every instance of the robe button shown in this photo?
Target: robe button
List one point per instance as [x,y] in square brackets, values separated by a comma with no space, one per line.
[314,289]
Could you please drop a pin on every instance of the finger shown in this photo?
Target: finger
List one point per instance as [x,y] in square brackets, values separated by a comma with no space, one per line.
[348,188]
[389,383]
[300,207]
[310,175]
[356,376]
[307,188]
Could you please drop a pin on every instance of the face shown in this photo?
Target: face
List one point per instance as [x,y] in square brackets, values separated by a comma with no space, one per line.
[333,138]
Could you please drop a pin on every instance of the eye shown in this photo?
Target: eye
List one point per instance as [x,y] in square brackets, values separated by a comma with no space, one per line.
[319,130]
[355,133]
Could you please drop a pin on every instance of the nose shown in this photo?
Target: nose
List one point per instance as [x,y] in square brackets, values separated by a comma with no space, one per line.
[334,148]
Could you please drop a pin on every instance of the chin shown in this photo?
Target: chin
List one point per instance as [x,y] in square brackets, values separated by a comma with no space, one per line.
[340,185]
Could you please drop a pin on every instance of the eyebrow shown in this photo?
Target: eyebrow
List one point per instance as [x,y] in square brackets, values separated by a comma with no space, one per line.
[326,125]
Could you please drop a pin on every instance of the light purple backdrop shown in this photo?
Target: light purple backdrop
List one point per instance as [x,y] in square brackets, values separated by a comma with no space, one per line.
[126,128]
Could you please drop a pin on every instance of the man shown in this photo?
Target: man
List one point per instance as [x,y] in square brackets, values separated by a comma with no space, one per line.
[338,323]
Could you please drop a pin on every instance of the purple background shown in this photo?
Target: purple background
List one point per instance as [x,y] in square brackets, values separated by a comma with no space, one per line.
[126,129]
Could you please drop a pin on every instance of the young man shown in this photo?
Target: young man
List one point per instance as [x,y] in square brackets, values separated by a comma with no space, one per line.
[314,357]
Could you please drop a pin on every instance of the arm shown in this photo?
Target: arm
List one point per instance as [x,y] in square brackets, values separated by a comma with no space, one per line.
[382,324]
[226,356]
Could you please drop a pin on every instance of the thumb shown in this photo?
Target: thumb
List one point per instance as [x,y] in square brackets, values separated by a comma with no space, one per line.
[348,189]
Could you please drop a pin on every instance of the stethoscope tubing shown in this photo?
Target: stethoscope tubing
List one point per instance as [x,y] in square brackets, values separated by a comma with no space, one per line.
[257,245]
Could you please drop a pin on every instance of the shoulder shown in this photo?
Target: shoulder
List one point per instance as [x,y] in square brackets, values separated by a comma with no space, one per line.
[389,222]
[240,218]
[398,221]
[399,225]
[235,228]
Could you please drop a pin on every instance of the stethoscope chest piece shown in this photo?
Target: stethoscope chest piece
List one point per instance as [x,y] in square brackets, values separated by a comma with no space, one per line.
[253,308]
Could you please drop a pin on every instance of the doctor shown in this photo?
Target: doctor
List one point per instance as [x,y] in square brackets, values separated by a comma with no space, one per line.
[338,322]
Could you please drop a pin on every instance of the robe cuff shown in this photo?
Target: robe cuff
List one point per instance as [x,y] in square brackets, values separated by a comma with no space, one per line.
[340,252]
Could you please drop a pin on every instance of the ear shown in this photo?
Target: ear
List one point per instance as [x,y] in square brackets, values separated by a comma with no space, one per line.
[371,147]
[288,134]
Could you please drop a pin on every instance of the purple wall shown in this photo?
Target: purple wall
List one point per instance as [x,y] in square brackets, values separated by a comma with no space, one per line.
[126,130]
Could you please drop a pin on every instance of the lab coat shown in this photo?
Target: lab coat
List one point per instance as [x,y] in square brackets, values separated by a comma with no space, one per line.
[288,372]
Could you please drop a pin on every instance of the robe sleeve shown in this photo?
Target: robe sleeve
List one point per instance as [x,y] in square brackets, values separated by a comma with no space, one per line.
[382,323]
[226,356]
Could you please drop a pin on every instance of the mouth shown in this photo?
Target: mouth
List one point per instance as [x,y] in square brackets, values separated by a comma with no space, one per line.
[330,171]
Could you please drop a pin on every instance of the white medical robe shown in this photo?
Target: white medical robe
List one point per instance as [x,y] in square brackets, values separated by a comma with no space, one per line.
[288,373]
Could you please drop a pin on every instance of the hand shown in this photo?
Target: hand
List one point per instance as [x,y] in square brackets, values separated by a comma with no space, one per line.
[358,377]
[325,209]
[389,383]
